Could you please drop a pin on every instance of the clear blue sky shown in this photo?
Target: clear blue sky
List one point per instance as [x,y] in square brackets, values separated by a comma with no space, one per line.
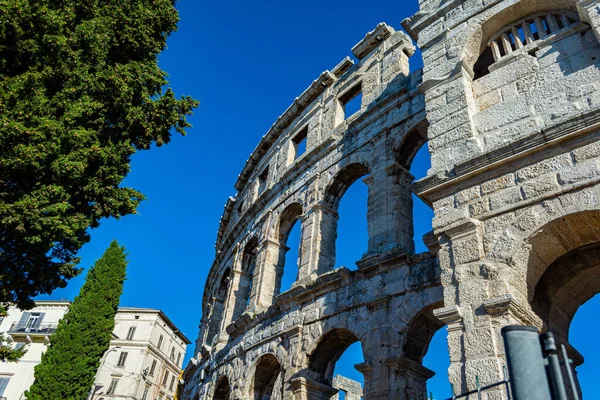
[246,62]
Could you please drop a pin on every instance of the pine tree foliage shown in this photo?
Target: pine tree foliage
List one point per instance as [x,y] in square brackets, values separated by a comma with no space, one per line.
[69,365]
[80,92]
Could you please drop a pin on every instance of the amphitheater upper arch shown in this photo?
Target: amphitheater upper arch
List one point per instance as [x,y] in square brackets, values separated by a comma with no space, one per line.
[481,27]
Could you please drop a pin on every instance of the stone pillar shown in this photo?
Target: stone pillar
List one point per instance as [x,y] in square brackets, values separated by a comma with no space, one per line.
[408,379]
[320,233]
[450,108]
[390,210]
[267,277]
[473,319]
[304,389]
[232,300]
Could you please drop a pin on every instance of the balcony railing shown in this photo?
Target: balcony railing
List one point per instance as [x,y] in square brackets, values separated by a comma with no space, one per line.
[36,329]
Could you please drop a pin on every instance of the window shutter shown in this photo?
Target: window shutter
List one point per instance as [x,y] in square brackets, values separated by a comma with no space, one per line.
[24,318]
[3,385]
[39,321]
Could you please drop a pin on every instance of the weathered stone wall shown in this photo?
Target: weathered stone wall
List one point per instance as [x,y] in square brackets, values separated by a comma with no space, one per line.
[514,178]
[508,102]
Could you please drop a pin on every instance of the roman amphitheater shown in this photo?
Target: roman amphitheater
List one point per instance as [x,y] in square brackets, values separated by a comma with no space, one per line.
[508,103]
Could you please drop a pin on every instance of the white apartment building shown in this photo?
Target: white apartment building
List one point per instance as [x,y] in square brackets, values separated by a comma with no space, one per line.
[143,361]
[32,328]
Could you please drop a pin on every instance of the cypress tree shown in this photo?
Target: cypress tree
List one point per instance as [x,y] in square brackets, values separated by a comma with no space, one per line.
[69,365]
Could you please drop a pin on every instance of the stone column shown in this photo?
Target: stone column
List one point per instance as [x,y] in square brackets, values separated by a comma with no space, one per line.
[408,379]
[304,389]
[266,283]
[231,301]
[320,233]
[390,210]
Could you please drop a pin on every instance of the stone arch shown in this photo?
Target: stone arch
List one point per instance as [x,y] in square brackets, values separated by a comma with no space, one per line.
[246,276]
[267,380]
[222,389]
[288,218]
[410,144]
[327,351]
[567,283]
[217,306]
[419,333]
[480,33]
[342,181]
[555,239]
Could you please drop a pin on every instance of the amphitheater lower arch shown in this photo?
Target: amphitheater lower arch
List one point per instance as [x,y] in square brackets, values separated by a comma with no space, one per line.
[222,390]
[329,349]
[267,382]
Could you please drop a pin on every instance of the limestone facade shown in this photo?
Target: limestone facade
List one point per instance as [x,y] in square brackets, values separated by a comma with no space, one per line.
[508,103]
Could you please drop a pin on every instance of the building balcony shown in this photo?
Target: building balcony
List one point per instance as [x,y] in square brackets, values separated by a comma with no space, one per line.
[43,329]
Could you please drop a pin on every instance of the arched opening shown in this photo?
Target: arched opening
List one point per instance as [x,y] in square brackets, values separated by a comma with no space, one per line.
[332,364]
[267,382]
[521,36]
[563,274]
[585,322]
[290,254]
[248,265]
[218,306]
[414,157]
[426,349]
[347,380]
[345,221]
[222,390]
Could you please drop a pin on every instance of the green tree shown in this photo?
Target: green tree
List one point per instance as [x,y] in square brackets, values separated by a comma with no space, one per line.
[80,93]
[70,363]
[7,352]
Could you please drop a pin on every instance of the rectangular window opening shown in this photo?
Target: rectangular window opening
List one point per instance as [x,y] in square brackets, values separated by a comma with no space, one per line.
[262,180]
[172,383]
[145,395]
[152,368]
[122,358]
[160,340]
[300,142]
[352,101]
[165,378]
[131,333]
[113,386]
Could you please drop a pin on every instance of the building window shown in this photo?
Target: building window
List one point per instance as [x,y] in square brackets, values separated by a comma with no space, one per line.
[152,368]
[3,384]
[165,378]
[172,356]
[350,103]
[178,358]
[145,395]
[262,180]
[299,142]
[172,383]
[113,386]
[33,322]
[160,340]
[131,333]
[161,396]
[122,358]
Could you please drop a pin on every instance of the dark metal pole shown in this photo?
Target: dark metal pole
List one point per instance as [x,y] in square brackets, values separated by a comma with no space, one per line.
[525,363]
[568,366]
[555,376]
